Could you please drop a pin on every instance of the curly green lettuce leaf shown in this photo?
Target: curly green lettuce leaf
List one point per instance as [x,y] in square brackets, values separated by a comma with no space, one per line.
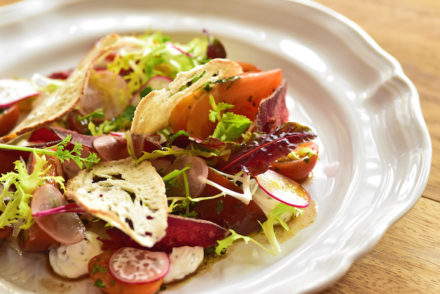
[15,205]
[268,229]
[156,55]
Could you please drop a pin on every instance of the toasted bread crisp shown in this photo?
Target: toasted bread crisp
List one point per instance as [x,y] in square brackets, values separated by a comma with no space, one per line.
[48,108]
[128,196]
[154,111]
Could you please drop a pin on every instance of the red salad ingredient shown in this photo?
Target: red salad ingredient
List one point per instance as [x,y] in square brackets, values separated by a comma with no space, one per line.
[255,156]
[65,228]
[138,266]
[298,169]
[283,189]
[8,118]
[99,272]
[229,212]
[35,239]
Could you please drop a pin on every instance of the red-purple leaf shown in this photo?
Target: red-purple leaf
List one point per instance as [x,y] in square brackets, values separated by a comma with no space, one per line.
[272,111]
[255,156]
[60,75]
[181,231]
[55,133]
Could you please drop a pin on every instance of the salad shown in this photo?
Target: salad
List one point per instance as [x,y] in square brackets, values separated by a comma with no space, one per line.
[147,158]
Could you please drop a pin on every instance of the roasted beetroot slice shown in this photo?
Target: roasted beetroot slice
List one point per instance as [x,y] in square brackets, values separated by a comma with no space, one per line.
[43,135]
[272,111]
[60,75]
[182,231]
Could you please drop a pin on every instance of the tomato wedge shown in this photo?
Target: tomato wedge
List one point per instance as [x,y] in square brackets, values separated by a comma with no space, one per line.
[8,119]
[244,92]
[100,273]
[248,67]
[299,169]
[35,239]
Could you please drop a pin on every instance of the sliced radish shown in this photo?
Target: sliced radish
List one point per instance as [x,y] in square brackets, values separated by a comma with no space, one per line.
[13,91]
[65,228]
[155,83]
[138,266]
[196,175]
[283,189]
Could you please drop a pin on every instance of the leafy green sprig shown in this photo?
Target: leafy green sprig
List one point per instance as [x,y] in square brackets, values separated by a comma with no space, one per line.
[230,126]
[59,150]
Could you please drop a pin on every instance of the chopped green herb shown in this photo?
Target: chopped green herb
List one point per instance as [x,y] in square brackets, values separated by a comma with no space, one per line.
[98,113]
[99,284]
[98,269]
[119,123]
[60,152]
[219,206]
[145,92]
[230,126]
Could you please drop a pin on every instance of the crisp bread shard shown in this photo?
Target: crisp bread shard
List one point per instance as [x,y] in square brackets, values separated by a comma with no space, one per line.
[48,108]
[154,111]
[127,195]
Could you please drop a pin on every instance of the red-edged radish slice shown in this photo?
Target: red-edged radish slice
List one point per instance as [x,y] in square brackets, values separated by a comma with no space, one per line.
[283,189]
[65,228]
[138,266]
[13,91]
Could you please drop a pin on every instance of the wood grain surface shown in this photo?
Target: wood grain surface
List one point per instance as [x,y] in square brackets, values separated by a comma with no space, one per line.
[407,259]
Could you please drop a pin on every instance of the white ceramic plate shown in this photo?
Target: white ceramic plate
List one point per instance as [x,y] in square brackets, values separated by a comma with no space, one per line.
[356,97]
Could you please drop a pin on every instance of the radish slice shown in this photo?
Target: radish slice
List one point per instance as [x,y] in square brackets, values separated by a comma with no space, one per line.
[13,91]
[197,175]
[138,266]
[283,189]
[155,83]
[65,228]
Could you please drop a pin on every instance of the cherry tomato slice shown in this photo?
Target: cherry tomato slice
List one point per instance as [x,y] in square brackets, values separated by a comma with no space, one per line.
[35,239]
[8,119]
[100,273]
[245,93]
[299,169]
[248,67]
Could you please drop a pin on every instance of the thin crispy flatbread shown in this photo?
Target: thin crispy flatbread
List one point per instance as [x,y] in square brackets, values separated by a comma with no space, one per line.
[49,108]
[130,197]
[154,111]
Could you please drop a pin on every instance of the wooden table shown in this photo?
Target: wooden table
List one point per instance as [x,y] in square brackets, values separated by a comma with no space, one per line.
[407,259]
